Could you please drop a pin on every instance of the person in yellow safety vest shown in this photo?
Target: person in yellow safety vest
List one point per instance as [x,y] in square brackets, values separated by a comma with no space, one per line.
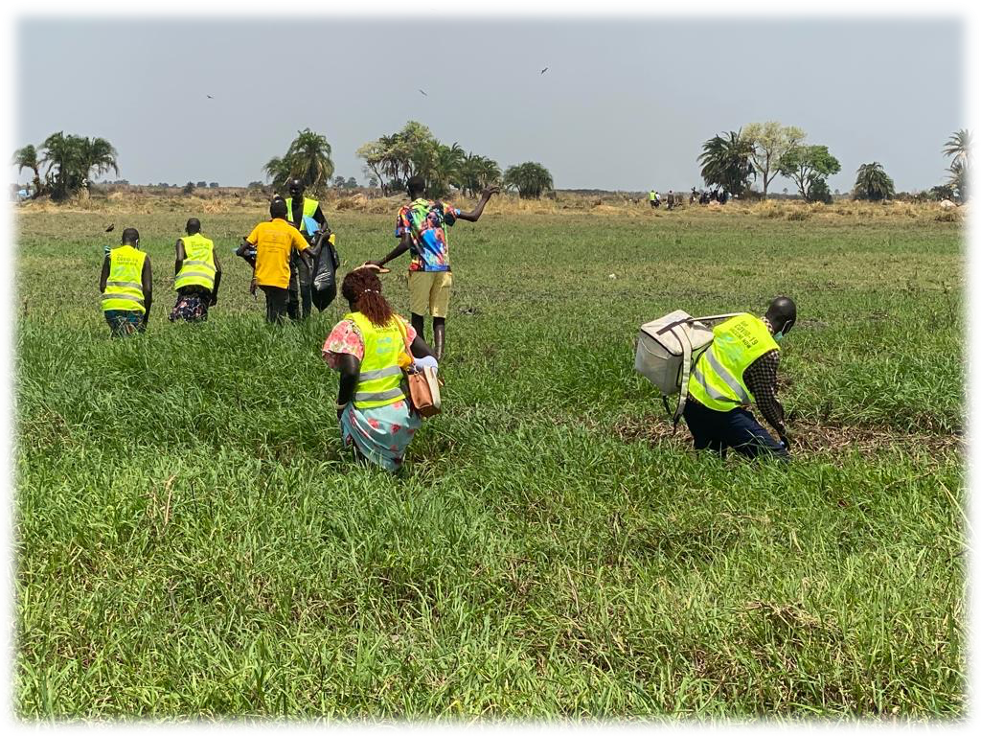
[738,368]
[369,347]
[197,274]
[301,277]
[655,198]
[126,285]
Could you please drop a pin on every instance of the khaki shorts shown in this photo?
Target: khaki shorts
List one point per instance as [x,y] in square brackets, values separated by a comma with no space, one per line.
[429,291]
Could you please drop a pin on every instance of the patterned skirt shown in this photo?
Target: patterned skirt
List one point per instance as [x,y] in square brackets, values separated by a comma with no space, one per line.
[191,307]
[380,434]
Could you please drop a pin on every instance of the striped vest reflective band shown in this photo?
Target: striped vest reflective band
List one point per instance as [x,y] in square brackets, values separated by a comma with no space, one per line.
[717,380]
[309,208]
[198,268]
[124,287]
[380,380]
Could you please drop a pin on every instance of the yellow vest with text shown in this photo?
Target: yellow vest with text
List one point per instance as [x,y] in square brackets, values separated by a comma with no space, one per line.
[198,268]
[309,208]
[380,381]
[717,379]
[124,287]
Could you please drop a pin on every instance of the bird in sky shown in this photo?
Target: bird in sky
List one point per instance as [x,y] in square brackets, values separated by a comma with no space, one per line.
[424,92]
[111,227]
[543,70]
[209,97]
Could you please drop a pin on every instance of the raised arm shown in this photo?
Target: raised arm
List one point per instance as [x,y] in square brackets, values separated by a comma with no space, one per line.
[474,215]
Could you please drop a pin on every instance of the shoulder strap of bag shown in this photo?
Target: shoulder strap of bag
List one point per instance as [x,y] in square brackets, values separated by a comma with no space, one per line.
[685,374]
[405,334]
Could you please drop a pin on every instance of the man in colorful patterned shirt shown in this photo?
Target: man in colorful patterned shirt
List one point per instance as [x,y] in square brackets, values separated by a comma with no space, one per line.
[420,228]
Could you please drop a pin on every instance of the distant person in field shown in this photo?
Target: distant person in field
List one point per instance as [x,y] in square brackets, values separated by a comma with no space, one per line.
[127,286]
[275,241]
[369,347]
[197,274]
[421,230]
[298,209]
[670,199]
[655,198]
[739,368]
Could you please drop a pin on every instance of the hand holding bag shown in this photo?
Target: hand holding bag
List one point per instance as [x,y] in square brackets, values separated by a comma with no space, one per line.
[423,385]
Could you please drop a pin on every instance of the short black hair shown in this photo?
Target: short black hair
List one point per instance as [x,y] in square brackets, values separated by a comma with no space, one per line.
[130,236]
[277,208]
[193,226]
[416,185]
[296,184]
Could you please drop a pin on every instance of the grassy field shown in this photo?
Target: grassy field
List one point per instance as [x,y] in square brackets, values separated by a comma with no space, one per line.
[191,541]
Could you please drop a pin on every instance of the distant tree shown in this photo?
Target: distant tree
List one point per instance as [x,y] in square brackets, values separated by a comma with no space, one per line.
[958,148]
[963,147]
[872,183]
[213,185]
[201,185]
[163,184]
[308,158]
[26,158]
[478,172]
[807,165]
[439,164]
[188,188]
[942,192]
[531,179]
[398,156]
[770,141]
[964,178]
[372,181]
[338,182]
[256,185]
[818,192]
[725,162]
[351,183]
[72,160]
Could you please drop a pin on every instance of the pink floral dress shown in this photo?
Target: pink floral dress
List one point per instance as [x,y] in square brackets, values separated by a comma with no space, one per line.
[381,434]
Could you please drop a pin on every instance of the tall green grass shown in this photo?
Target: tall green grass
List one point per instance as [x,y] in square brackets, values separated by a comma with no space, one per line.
[193,541]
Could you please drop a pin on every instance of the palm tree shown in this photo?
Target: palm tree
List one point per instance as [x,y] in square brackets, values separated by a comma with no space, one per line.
[26,158]
[278,170]
[439,164]
[478,172]
[97,157]
[872,183]
[72,159]
[309,159]
[530,179]
[726,162]
[959,146]
[958,179]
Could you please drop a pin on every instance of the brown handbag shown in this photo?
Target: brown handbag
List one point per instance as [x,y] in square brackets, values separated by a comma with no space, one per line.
[423,384]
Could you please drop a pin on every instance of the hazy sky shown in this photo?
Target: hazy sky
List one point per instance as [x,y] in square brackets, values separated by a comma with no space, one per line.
[625,104]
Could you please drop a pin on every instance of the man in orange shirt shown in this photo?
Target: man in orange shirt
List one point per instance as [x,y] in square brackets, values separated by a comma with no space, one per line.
[274,241]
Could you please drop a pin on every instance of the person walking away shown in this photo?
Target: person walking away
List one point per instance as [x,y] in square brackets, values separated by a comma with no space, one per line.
[197,275]
[421,228]
[739,368]
[655,198]
[368,347]
[298,209]
[126,285]
[274,241]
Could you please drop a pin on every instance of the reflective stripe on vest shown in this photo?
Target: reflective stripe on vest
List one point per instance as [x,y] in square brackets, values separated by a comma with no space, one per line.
[379,382]
[124,287]
[309,208]
[198,268]
[717,380]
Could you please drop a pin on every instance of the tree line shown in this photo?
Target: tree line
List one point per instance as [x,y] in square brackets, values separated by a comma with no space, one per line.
[756,154]
[761,151]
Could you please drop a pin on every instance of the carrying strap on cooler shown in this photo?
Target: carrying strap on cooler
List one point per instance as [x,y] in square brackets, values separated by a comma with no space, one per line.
[686,365]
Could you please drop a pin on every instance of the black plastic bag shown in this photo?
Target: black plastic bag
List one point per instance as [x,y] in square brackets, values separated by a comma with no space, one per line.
[325,264]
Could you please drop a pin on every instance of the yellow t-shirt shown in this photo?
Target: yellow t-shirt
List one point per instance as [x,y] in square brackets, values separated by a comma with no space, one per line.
[274,240]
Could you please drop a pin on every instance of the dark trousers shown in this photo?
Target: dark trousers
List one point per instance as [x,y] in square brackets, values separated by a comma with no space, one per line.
[276,303]
[300,305]
[736,429]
